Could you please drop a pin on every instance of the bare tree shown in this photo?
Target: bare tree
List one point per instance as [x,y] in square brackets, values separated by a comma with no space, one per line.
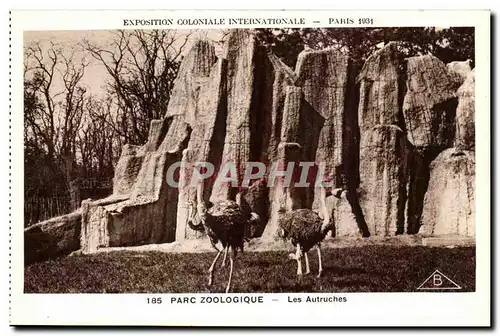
[143,66]
[98,145]
[70,134]
[55,97]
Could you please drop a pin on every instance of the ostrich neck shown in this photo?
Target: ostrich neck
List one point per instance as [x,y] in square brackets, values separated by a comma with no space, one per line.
[238,198]
[202,206]
[288,200]
[199,193]
[203,214]
[324,210]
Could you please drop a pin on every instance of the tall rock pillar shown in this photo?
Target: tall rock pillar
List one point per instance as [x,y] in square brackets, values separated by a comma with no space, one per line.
[383,143]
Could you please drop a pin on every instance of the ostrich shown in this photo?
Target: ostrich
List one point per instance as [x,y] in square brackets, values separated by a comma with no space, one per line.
[225,222]
[307,229]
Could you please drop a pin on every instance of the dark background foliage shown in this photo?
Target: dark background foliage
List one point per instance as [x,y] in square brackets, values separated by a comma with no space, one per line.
[450,44]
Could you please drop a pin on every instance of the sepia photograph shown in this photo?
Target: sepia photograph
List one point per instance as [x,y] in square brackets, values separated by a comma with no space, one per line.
[297,167]
[249,160]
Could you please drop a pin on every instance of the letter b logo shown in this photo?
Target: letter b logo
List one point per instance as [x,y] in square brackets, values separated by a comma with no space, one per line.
[437,280]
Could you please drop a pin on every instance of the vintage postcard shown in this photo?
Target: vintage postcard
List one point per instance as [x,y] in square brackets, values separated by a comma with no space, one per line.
[297,168]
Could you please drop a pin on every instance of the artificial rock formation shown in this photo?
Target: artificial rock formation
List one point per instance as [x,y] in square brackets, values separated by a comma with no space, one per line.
[243,56]
[347,215]
[449,205]
[52,238]
[127,168]
[323,76]
[429,105]
[327,79]
[432,122]
[465,134]
[316,128]
[256,85]
[146,211]
[407,115]
[383,175]
[381,89]
[459,69]
[383,152]
[205,144]
[193,73]
[377,138]
[288,150]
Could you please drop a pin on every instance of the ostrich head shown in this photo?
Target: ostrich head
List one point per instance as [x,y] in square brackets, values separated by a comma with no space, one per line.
[194,221]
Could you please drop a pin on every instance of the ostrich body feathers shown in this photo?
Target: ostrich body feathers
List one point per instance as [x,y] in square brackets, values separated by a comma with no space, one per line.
[303,226]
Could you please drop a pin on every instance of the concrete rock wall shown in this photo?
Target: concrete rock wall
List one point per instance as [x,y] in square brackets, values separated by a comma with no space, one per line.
[418,95]
[385,137]
[449,204]
[383,175]
[205,143]
[429,105]
[146,209]
[52,238]
[465,133]
[383,144]
[381,89]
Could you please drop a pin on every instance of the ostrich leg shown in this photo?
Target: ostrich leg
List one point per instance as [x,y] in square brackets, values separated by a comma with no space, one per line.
[230,271]
[225,255]
[298,256]
[214,246]
[319,261]
[211,269]
[308,270]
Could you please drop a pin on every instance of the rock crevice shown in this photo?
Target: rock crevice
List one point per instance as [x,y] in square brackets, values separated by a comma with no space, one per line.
[398,138]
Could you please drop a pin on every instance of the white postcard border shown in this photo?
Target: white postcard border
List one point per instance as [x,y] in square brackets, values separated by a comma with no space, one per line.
[361,309]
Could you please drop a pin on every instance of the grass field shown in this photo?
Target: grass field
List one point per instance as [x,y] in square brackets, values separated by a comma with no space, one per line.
[361,269]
